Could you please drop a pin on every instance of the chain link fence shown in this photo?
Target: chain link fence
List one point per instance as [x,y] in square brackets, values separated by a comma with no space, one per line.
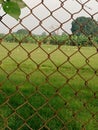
[48,74]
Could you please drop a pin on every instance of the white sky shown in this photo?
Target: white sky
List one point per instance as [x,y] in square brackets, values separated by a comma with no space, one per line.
[42,14]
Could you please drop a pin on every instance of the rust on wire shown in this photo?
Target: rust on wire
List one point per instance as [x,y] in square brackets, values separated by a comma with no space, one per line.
[48,80]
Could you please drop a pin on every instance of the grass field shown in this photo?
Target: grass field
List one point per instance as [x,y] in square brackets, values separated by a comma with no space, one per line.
[48,88]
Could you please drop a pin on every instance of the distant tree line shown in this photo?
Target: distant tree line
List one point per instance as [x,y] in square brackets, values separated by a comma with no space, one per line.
[84,26]
[84,33]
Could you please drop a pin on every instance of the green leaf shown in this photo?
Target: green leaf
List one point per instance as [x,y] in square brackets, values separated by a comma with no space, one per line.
[1,1]
[12,8]
[19,2]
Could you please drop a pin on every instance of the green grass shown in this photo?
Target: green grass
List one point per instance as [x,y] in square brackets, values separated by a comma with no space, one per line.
[47,97]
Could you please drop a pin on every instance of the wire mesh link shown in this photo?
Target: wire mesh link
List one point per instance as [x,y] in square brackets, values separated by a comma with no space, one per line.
[48,81]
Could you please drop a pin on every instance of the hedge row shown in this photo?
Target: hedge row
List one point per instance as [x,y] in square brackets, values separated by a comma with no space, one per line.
[72,40]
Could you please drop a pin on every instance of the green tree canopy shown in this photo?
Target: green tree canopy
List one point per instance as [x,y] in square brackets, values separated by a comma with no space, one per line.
[84,25]
[22,32]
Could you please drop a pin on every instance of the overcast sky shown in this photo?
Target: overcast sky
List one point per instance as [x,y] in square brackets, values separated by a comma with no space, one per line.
[71,9]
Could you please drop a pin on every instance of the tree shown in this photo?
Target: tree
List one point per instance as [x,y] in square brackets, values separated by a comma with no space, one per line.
[22,32]
[43,34]
[84,25]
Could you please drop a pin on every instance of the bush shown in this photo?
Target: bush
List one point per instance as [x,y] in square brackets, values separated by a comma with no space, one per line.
[59,40]
[72,40]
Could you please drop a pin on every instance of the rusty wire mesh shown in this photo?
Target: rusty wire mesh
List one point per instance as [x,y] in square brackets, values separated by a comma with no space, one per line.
[43,86]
